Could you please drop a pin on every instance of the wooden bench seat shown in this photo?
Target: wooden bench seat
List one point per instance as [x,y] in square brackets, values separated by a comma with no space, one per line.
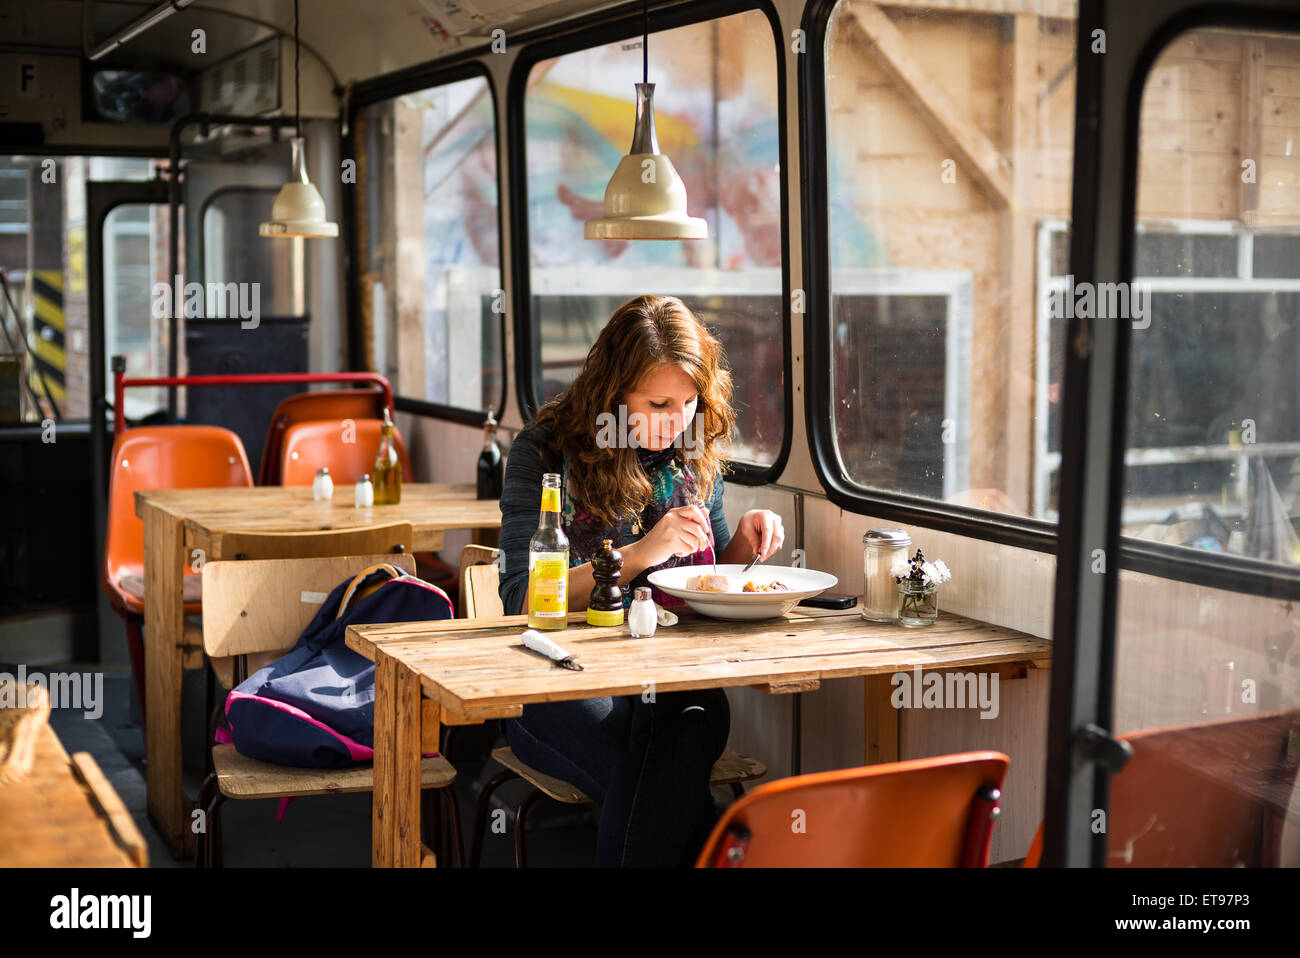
[242,777]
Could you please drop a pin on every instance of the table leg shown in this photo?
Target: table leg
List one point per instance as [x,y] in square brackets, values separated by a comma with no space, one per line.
[164,623]
[395,817]
[882,721]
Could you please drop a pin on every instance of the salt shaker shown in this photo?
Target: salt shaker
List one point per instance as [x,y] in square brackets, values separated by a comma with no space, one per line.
[322,487]
[365,492]
[642,619]
[881,548]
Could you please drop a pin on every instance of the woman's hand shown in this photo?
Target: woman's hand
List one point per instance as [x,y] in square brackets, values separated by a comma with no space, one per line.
[680,532]
[761,531]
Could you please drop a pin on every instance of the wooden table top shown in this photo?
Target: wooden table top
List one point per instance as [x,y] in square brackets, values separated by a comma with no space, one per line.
[65,814]
[473,665]
[429,507]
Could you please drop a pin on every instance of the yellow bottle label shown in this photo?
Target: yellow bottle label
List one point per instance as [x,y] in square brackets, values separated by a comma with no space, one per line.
[549,579]
[604,617]
[550,500]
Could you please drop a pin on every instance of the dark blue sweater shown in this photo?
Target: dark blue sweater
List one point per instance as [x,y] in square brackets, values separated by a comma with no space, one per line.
[521,502]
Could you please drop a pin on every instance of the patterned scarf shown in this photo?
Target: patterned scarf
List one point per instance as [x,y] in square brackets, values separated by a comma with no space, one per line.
[673,486]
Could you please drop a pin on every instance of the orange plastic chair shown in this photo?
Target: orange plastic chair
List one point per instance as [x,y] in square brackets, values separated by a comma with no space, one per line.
[337,404]
[1207,795]
[159,457]
[926,812]
[315,443]
[310,445]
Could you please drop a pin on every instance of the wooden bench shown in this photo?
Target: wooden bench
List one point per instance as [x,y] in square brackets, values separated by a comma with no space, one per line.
[61,812]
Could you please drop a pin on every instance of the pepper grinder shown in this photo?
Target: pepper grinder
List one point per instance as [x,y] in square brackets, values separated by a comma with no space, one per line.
[606,605]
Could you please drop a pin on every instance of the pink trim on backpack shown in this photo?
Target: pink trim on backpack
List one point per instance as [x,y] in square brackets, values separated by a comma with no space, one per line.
[416,580]
[359,752]
[222,736]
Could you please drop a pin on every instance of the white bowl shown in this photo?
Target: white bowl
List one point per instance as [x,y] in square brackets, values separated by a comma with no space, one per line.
[803,583]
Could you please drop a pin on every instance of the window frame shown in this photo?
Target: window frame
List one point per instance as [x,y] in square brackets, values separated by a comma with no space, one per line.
[1021,531]
[1231,573]
[1096,388]
[423,77]
[625,24]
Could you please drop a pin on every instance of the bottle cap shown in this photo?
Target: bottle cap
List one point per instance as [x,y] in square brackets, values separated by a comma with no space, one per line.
[323,471]
[642,592]
[365,477]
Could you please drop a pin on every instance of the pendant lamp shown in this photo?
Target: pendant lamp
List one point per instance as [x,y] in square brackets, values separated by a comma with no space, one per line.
[298,209]
[645,198]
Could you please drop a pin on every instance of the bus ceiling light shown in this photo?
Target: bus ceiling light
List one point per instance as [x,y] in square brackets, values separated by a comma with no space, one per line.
[645,198]
[298,209]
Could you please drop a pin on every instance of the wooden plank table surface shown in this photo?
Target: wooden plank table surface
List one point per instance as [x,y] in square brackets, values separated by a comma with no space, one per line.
[65,814]
[465,671]
[185,526]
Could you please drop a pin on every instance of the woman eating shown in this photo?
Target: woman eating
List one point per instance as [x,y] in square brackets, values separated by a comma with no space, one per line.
[655,489]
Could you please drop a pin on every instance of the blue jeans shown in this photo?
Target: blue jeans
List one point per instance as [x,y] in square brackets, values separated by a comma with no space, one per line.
[646,764]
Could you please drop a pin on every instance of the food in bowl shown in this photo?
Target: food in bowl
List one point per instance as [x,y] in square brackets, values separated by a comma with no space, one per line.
[710,582]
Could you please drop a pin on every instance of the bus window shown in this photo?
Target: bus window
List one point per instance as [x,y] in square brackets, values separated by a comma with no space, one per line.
[43,251]
[1212,461]
[717,117]
[431,296]
[949,150]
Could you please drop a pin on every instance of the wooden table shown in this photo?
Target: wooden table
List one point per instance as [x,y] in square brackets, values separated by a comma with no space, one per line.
[463,672]
[185,525]
[65,814]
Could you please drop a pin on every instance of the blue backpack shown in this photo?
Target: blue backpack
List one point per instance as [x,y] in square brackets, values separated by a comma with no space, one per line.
[315,706]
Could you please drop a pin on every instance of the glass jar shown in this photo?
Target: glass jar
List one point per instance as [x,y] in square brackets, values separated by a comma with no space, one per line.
[881,548]
[918,605]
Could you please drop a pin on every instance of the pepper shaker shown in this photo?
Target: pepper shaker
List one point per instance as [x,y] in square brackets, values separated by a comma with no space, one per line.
[642,617]
[364,495]
[606,605]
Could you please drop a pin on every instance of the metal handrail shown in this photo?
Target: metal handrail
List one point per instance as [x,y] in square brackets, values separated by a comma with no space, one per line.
[121,383]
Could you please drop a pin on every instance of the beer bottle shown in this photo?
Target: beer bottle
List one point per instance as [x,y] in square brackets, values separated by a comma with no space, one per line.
[548,563]
[388,468]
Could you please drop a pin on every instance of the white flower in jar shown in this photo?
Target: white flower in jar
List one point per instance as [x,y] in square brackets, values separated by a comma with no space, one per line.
[929,574]
[941,571]
[901,569]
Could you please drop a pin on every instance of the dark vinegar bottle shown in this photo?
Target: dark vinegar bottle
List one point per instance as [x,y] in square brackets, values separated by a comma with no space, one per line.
[490,472]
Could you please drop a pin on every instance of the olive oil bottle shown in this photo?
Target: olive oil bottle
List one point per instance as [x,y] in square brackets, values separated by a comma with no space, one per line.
[548,563]
[388,468]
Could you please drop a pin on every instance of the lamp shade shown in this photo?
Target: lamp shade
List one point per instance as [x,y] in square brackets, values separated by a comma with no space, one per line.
[645,198]
[298,209]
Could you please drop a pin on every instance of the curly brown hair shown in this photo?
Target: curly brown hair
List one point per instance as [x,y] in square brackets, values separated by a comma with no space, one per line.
[643,334]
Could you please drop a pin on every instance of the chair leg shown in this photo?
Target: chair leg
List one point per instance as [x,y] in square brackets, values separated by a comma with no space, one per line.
[521,858]
[215,857]
[210,710]
[206,791]
[481,814]
[737,789]
[432,831]
[456,847]
[135,645]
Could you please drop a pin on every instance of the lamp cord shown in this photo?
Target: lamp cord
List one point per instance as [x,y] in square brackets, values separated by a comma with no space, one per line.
[645,41]
[297,100]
